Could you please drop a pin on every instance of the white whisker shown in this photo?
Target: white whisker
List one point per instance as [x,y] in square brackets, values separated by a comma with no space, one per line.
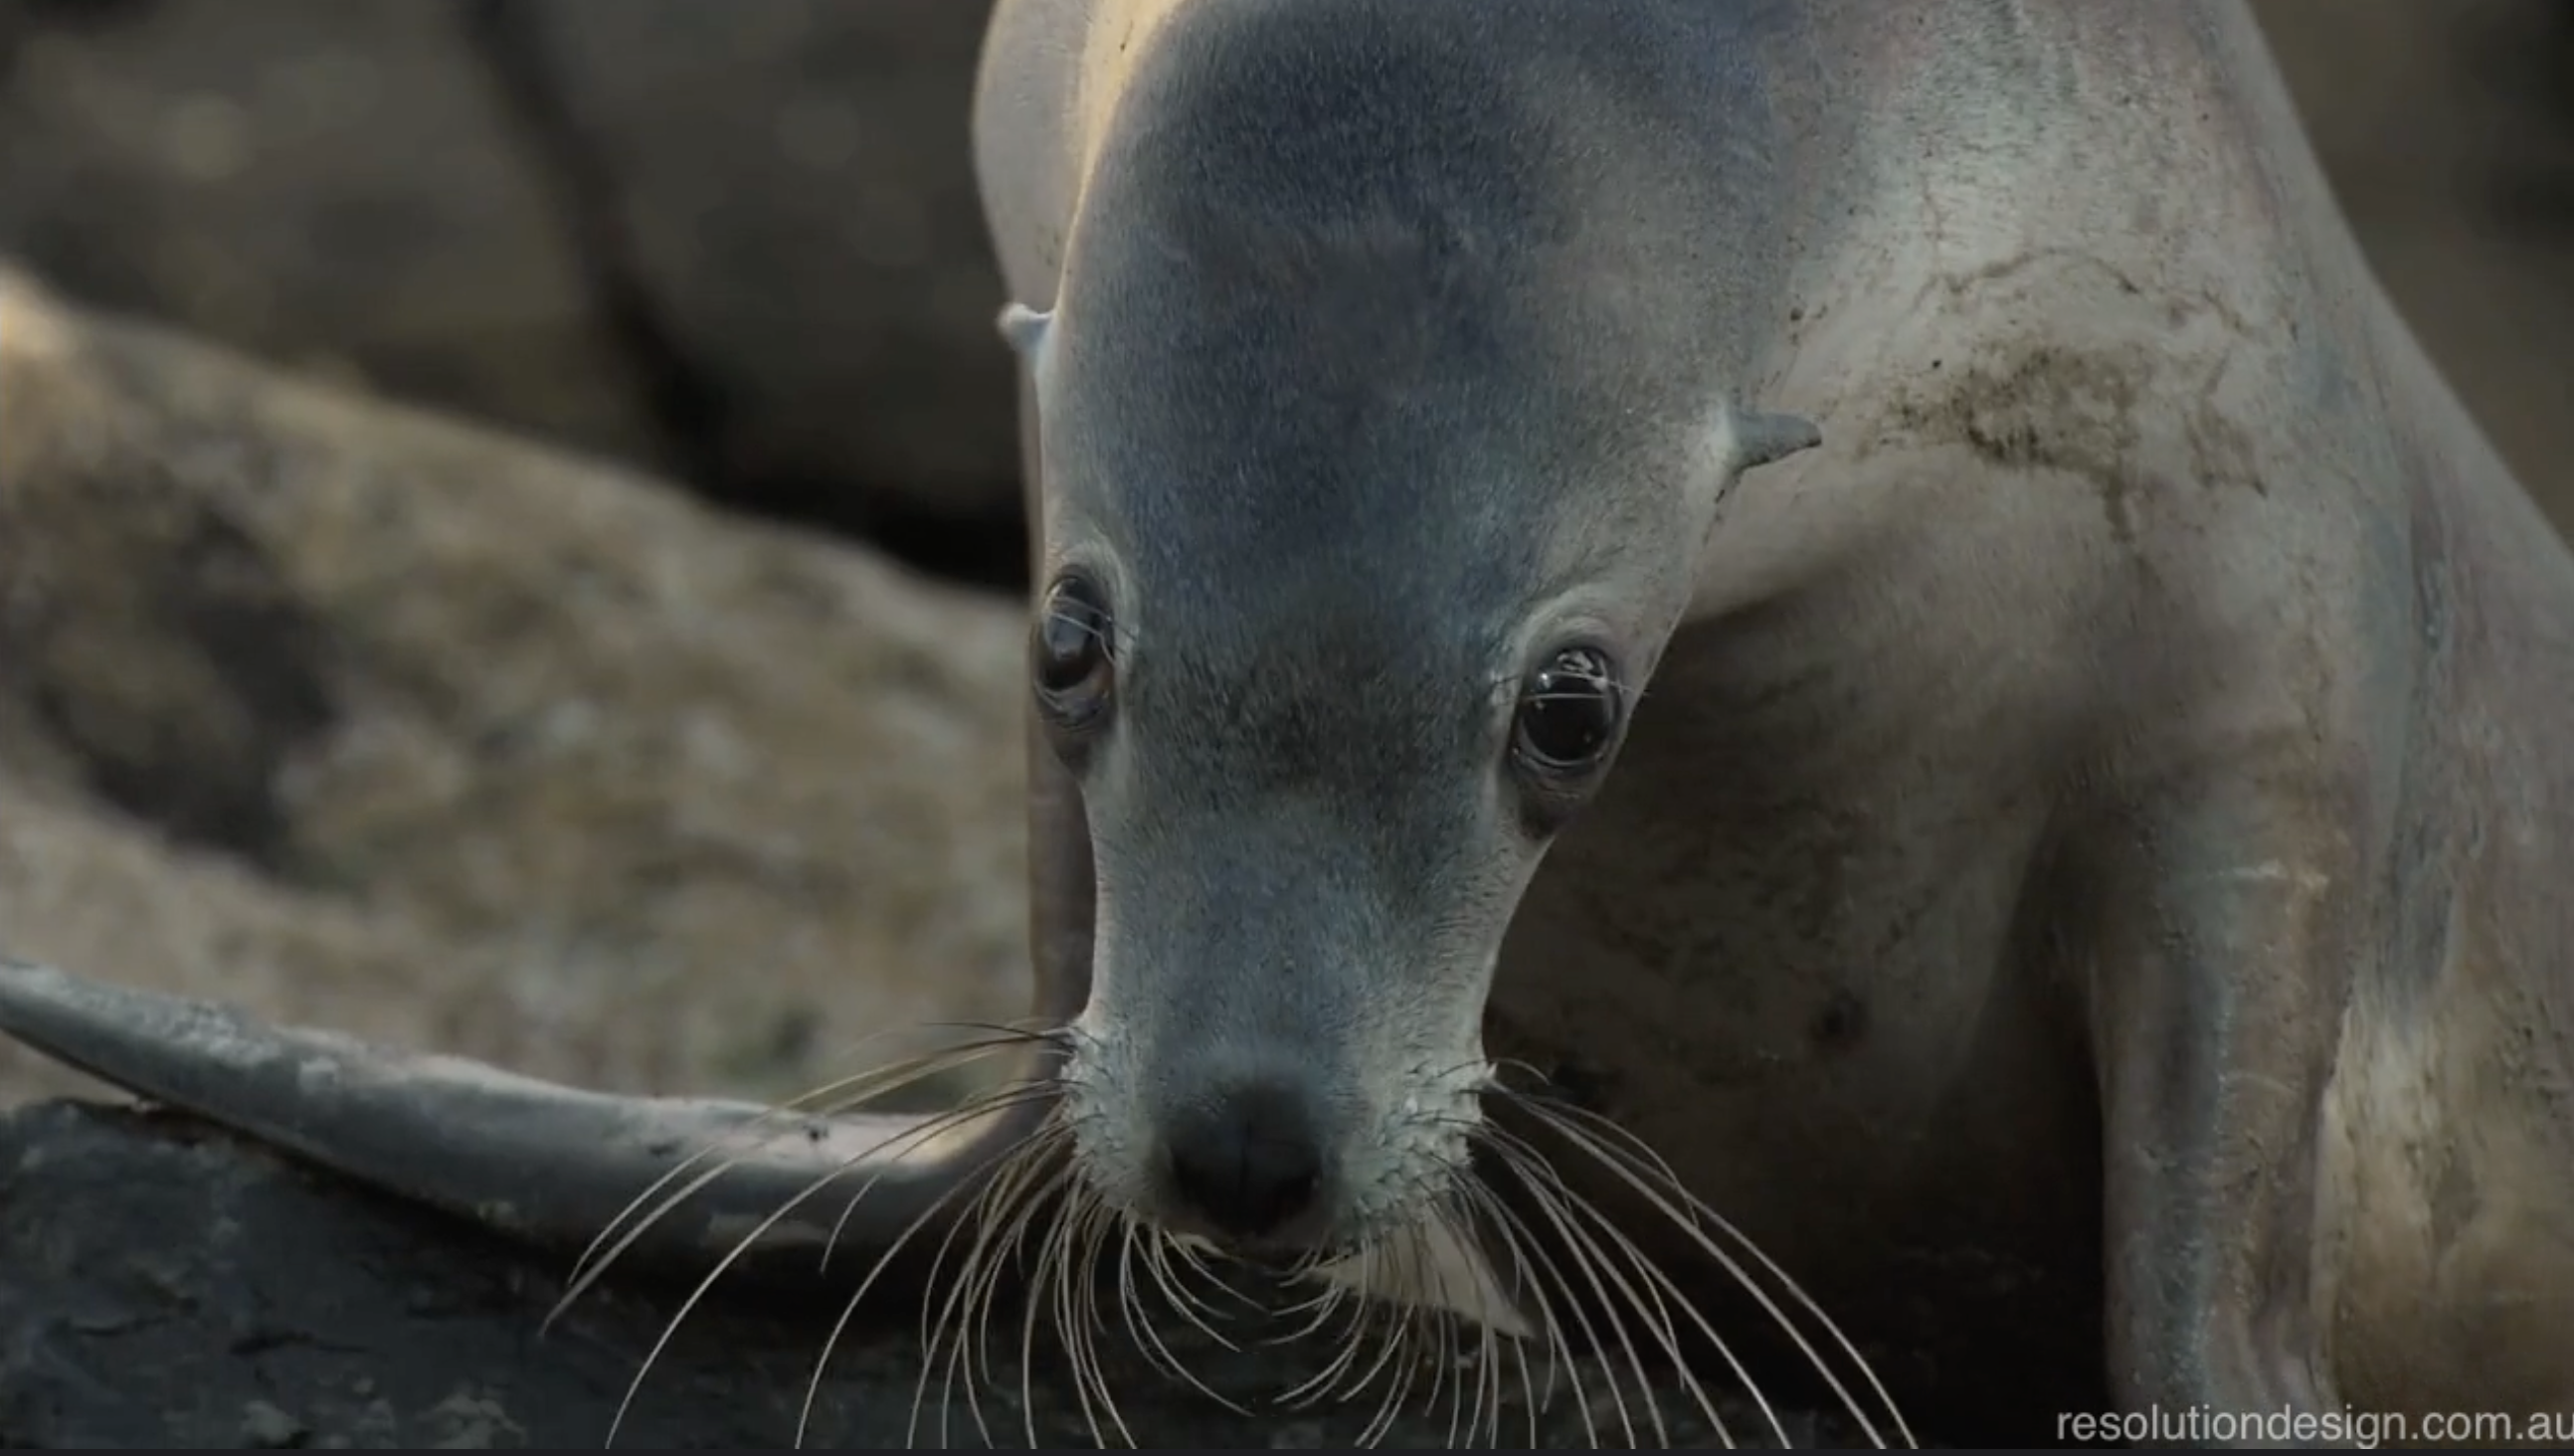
[1686,1213]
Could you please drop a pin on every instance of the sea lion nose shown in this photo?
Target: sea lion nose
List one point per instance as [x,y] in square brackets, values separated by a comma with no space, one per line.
[1248,1161]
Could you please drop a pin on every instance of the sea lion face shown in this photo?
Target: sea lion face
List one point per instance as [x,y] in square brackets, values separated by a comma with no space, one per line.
[1334,645]
[1327,703]
[1374,487]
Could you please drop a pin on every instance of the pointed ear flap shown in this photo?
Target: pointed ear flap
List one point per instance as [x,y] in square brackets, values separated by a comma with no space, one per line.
[1024,329]
[1761,439]
[1027,332]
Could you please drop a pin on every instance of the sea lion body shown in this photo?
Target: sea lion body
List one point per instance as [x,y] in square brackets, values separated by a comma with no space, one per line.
[2074,872]
[2134,729]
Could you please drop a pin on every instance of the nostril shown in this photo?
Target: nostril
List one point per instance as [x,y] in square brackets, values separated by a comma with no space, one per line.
[1249,1161]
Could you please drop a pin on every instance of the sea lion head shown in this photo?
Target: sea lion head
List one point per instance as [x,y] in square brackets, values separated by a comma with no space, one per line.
[1383,424]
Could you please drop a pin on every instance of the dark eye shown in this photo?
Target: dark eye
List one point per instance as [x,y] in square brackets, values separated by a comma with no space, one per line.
[1569,713]
[1072,663]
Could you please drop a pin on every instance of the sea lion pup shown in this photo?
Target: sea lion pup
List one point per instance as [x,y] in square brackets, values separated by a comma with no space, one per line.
[2071,866]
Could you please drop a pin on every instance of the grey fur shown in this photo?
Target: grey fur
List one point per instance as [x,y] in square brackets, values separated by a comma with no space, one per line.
[1769,439]
[1322,403]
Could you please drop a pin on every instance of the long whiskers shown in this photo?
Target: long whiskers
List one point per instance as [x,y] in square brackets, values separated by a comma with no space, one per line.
[1633,1164]
[1568,1215]
[1010,1202]
[911,1138]
[1006,1198]
[734,1146]
[830,1099]
[1572,1274]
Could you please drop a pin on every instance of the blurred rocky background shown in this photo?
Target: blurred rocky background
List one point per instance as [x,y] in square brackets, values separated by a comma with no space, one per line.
[507,508]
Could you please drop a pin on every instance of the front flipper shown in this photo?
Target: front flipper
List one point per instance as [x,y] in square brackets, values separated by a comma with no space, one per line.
[2226,951]
[537,1161]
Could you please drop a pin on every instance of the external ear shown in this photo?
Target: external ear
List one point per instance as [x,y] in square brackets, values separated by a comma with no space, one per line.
[1029,332]
[1761,439]
[1024,329]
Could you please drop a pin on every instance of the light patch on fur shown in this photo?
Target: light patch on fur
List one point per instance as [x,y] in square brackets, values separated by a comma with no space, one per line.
[1455,1276]
[1120,36]
[1421,1145]
[1755,439]
[2440,1265]
[1445,1271]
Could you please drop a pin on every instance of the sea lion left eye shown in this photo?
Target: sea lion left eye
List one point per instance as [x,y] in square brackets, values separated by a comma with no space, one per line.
[1074,669]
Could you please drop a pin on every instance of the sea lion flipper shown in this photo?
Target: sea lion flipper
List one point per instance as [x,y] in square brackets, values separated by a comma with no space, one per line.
[534,1159]
[156,1046]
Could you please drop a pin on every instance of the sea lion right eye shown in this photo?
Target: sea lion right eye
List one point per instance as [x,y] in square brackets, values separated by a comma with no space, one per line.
[1569,714]
[1073,665]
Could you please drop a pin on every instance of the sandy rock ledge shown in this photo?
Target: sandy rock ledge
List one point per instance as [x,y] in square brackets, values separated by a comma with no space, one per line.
[358,717]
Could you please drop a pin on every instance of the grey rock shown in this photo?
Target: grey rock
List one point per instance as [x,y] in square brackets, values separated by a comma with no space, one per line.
[792,180]
[164,1286]
[334,185]
[736,243]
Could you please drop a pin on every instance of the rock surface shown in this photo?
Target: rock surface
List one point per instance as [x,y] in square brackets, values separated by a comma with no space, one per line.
[334,185]
[736,243]
[361,718]
[790,186]
[162,1286]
